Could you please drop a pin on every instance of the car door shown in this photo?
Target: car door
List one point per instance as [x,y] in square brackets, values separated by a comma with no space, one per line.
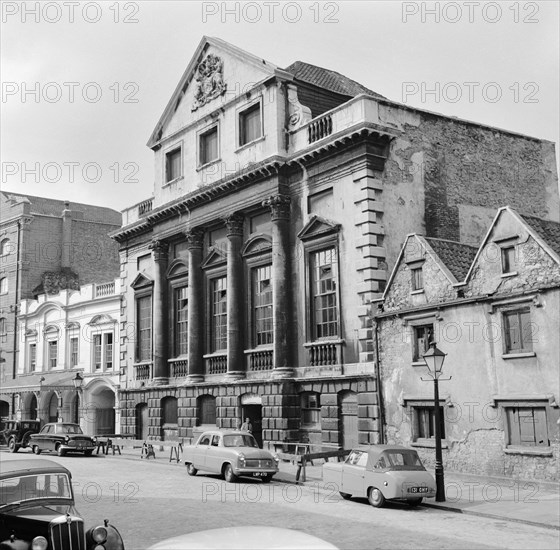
[354,473]
[199,451]
[213,458]
[42,437]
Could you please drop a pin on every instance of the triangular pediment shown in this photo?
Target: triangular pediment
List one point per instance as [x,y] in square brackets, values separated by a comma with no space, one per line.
[318,227]
[217,73]
[141,281]
[216,256]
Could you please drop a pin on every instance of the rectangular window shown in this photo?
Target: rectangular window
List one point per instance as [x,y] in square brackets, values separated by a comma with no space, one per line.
[310,410]
[219,314]
[250,127]
[97,351]
[173,165]
[74,351]
[527,426]
[324,288]
[108,350]
[144,331]
[209,146]
[181,320]
[53,353]
[425,418]
[417,278]
[423,335]
[518,331]
[508,259]
[32,357]
[262,306]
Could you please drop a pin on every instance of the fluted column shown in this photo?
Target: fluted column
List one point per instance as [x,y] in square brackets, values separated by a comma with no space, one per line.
[235,306]
[159,329]
[195,307]
[280,215]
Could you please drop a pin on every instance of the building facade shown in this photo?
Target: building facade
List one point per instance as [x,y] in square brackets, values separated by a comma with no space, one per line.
[495,313]
[280,202]
[46,246]
[71,332]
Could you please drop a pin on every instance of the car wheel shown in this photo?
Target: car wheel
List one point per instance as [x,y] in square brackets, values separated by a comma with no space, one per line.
[25,440]
[88,453]
[345,496]
[191,470]
[229,476]
[36,449]
[375,497]
[59,450]
[267,479]
[13,448]
[414,501]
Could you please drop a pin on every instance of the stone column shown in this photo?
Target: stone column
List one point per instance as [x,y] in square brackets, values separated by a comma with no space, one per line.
[159,328]
[283,343]
[196,304]
[235,304]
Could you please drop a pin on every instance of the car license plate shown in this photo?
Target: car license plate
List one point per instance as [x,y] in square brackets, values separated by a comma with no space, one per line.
[259,474]
[418,490]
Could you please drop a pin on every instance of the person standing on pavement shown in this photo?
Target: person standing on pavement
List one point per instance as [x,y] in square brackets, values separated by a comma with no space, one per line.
[247,426]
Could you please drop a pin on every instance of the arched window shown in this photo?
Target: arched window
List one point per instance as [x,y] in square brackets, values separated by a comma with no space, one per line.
[4,285]
[5,247]
[206,405]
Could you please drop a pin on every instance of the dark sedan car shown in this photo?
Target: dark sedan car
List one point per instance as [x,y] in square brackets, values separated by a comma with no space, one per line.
[37,510]
[62,437]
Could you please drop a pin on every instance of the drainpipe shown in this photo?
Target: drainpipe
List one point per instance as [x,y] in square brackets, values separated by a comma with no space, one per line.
[17,293]
[379,383]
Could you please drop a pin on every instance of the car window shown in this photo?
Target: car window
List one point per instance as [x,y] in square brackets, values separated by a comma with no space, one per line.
[406,460]
[240,440]
[205,440]
[353,457]
[215,440]
[32,487]
[47,429]
[381,464]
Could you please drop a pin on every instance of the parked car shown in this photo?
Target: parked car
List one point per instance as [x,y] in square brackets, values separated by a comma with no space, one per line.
[380,473]
[37,510]
[17,433]
[231,453]
[62,437]
[247,537]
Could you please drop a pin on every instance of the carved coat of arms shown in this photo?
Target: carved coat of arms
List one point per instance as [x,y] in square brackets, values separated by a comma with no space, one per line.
[210,80]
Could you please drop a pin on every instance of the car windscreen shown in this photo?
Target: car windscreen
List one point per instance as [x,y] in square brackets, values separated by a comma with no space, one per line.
[32,487]
[68,429]
[403,460]
[241,440]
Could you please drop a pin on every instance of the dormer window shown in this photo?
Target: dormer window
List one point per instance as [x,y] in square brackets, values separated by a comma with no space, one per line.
[250,127]
[417,278]
[209,146]
[173,165]
[508,259]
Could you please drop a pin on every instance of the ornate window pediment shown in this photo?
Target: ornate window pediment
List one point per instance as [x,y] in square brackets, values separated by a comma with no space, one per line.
[217,255]
[141,281]
[318,227]
[257,244]
[102,319]
[176,268]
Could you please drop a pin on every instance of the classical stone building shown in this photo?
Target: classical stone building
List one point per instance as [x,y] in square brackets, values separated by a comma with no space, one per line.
[46,245]
[495,311]
[281,200]
[71,332]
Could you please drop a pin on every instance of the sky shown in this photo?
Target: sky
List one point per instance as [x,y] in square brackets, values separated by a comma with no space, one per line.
[84,83]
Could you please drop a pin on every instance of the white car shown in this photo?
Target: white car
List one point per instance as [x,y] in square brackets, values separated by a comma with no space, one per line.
[232,454]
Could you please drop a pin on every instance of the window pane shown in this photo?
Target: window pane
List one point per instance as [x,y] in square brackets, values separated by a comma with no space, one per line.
[219,314]
[32,357]
[173,165]
[97,351]
[209,146]
[262,306]
[53,353]
[508,259]
[73,351]
[417,279]
[251,124]
[324,293]
[181,320]
[144,335]
[108,351]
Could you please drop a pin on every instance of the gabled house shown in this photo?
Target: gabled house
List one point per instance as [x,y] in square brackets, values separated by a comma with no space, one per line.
[280,202]
[495,311]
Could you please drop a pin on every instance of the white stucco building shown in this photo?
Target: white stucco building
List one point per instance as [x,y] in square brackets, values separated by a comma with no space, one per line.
[73,331]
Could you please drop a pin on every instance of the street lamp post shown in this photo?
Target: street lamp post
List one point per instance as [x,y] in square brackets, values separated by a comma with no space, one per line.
[434,359]
[78,381]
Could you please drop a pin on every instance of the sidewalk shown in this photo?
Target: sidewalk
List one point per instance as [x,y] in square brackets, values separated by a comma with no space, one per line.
[531,502]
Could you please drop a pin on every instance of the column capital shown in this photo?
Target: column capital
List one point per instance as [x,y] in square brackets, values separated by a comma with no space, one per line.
[195,237]
[159,250]
[279,206]
[234,224]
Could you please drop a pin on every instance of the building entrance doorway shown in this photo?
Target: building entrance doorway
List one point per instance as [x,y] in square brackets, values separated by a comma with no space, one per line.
[254,413]
[142,421]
